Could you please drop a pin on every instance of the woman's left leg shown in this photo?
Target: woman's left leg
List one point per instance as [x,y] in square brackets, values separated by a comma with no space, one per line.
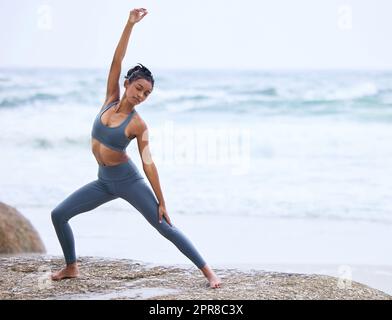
[139,195]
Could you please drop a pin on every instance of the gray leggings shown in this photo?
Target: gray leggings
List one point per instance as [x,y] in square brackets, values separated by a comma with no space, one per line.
[119,181]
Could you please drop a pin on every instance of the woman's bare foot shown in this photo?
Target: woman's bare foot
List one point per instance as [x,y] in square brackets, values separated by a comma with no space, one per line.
[214,280]
[70,271]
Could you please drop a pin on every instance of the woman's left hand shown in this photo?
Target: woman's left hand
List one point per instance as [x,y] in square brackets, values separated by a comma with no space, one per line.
[162,212]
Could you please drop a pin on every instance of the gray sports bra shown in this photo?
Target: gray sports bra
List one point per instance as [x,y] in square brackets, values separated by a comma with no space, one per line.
[112,137]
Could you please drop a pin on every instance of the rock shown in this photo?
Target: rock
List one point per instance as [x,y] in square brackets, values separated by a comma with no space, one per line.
[27,277]
[17,235]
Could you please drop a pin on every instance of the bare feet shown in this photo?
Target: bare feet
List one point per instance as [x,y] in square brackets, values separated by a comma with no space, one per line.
[214,280]
[70,271]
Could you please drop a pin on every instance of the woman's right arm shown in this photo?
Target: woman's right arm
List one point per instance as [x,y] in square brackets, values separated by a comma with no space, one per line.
[113,87]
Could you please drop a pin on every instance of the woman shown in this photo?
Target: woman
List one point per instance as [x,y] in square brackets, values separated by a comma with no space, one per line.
[114,127]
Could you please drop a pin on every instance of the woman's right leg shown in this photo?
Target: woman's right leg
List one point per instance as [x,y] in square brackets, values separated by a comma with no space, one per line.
[84,199]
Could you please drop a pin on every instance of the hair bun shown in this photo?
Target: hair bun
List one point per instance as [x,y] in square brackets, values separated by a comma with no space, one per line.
[139,71]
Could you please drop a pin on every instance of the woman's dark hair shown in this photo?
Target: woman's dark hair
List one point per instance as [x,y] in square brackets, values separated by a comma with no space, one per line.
[139,72]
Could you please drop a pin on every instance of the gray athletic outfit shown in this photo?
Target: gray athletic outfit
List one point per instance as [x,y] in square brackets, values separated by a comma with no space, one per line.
[120,181]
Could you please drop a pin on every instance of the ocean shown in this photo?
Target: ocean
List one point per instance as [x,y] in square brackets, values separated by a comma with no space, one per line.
[299,147]
[272,144]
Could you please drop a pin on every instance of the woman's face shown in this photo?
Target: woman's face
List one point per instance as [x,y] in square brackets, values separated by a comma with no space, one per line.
[138,91]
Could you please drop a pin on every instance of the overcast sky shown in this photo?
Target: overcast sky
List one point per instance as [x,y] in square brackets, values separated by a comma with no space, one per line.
[234,34]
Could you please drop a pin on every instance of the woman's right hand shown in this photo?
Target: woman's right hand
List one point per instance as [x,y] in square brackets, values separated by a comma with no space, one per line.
[136,15]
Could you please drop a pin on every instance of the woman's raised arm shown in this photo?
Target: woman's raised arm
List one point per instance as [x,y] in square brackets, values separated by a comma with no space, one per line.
[113,87]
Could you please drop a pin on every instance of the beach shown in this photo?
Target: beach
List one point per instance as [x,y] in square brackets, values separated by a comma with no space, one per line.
[278,245]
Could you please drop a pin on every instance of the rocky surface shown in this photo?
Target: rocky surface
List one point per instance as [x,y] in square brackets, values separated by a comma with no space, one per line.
[27,277]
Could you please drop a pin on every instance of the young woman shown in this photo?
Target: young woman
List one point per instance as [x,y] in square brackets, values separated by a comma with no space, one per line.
[114,127]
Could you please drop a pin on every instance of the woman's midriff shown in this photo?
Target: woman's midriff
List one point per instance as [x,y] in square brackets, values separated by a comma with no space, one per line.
[106,156]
